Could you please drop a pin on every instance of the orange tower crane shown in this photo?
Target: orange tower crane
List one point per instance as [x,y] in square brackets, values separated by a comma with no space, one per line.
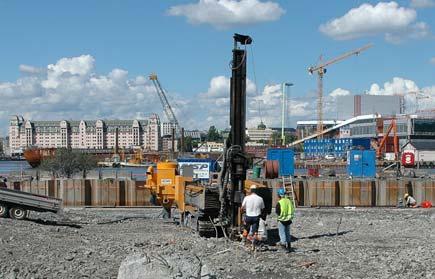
[320,69]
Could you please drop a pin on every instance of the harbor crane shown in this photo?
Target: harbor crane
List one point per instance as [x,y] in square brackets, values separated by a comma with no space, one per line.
[170,115]
[320,69]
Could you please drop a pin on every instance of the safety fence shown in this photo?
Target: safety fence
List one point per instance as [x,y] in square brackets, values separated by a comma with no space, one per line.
[309,191]
[356,192]
[89,192]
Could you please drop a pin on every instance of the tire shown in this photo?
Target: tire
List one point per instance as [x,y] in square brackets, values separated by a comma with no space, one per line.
[18,213]
[4,211]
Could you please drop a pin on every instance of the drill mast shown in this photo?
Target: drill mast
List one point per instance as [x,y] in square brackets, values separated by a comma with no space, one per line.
[233,174]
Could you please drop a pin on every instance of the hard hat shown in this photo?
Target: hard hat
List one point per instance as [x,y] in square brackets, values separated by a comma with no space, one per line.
[281,192]
[253,187]
[406,196]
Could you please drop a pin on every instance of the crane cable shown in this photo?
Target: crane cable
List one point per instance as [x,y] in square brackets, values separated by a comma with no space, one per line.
[256,85]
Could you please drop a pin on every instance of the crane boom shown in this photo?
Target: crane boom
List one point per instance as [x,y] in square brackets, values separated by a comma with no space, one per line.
[339,58]
[164,100]
[321,70]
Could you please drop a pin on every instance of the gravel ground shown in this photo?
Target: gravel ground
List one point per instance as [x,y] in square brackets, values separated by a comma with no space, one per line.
[92,243]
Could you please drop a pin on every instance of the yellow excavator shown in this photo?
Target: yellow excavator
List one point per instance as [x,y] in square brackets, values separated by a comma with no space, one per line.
[209,206]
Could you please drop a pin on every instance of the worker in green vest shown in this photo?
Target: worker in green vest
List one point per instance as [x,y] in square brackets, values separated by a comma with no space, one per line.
[285,211]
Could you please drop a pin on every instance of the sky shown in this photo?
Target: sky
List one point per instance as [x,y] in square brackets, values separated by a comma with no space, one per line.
[91,59]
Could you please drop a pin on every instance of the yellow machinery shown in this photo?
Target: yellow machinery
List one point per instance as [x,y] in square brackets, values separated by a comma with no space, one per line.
[161,183]
[198,204]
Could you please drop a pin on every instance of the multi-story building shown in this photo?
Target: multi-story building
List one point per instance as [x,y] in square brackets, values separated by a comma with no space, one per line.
[167,128]
[211,146]
[257,135]
[85,134]
[354,105]
[168,145]
[194,134]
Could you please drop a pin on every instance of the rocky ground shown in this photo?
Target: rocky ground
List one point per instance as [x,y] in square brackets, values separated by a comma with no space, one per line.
[329,243]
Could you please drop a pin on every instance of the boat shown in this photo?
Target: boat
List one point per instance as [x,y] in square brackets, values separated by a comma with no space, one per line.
[34,155]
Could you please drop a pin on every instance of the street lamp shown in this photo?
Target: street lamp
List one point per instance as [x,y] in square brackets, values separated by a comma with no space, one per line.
[284,109]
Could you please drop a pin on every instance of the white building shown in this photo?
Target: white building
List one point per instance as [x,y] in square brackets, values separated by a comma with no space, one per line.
[84,134]
[194,134]
[259,134]
[168,145]
[423,149]
[167,128]
[211,146]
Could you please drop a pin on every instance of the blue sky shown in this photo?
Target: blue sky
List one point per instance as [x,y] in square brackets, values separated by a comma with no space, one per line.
[141,37]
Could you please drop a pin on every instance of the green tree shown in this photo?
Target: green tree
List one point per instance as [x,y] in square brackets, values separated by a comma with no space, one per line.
[188,144]
[213,134]
[67,162]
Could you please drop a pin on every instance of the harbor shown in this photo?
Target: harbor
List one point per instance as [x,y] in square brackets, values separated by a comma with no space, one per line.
[217,139]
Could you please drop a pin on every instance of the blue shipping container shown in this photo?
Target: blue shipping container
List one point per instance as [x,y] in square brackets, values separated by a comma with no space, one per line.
[285,158]
[361,163]
[319,148]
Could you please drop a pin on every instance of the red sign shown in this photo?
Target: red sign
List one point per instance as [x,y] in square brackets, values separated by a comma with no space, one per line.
[408,159]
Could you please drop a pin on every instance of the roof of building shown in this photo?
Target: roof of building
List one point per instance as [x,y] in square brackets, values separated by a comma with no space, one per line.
[314,122]
[423,144]
[89,123]
[46,123]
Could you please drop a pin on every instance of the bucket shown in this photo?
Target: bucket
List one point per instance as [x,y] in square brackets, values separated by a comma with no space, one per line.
[256,172]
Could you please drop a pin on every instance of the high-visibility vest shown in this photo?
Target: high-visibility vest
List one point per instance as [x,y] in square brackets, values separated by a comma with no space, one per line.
[287,209]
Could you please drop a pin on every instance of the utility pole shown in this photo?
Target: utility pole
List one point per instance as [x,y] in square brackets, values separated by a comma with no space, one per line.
[284,110]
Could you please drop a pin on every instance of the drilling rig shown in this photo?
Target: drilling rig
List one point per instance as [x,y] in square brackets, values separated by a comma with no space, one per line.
[205,207]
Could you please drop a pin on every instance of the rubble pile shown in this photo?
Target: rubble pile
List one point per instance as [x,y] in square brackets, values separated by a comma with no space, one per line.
[127,243]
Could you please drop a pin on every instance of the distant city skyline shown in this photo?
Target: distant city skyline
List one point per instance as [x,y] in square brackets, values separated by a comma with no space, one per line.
[91,60]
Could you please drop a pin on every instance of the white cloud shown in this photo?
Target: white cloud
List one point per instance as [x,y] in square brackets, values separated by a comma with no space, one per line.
[30,69]
[432,60]
[262,106]
[396,87]
[339,92]
[422,3]
[389,19]
[71,89]
[227,13]
[407,88]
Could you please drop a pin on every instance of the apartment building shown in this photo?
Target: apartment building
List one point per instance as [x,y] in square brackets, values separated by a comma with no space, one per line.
[85,134]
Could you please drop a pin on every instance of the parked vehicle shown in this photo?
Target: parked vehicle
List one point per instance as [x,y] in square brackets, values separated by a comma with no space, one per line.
[329,157]
[17,204]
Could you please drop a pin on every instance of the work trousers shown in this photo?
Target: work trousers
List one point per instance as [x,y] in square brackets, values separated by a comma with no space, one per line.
[284,232]
[251,224]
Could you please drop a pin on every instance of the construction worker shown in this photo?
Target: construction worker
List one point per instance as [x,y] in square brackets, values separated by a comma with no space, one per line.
[409,201]
[253,205]
[285,210]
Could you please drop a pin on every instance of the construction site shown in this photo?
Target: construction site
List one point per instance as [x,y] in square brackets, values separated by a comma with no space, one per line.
[349,182]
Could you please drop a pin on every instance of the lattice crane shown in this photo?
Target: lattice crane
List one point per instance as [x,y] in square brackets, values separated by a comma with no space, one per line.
[164,100]
[320,69]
